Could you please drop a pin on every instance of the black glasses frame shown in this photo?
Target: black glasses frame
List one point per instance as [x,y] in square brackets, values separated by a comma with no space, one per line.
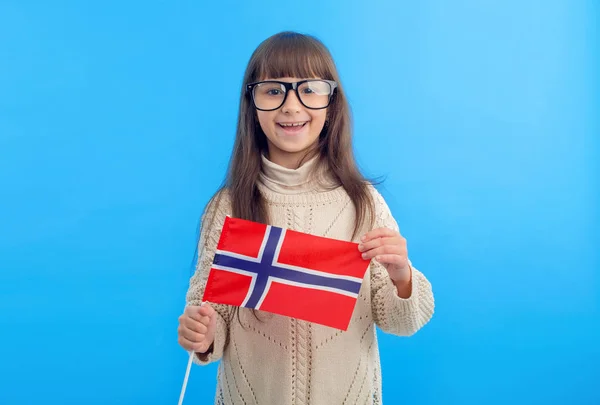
[291,86]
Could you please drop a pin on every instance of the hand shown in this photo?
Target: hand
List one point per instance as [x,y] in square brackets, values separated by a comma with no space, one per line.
[197,327]
[388,247]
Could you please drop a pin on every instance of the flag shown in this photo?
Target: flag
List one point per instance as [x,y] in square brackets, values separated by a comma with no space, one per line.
[286,272]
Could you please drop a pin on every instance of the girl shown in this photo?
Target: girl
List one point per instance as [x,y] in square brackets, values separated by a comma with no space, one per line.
[292,166]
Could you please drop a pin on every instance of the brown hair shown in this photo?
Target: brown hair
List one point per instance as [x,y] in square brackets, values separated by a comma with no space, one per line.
[290,54]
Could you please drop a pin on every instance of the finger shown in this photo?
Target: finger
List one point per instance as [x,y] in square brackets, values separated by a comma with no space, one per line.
[194,325]
[193,311]
[200,347]
[372,244]
[206,310]
[391,259]
[378,233]
[191,335]
[205,320]
[186,344]
[383,250]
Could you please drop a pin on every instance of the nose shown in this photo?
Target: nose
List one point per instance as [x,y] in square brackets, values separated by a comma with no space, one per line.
[292,104]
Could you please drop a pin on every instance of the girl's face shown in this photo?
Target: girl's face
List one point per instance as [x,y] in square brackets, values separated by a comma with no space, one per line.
[292,130]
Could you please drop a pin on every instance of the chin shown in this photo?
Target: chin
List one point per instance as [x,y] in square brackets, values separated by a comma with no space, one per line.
[291,146]
[293,150]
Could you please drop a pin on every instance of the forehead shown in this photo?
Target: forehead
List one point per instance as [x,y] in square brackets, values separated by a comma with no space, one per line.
[291,64]
[288,79]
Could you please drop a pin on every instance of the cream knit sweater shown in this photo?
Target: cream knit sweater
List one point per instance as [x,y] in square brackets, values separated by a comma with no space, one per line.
[278,360]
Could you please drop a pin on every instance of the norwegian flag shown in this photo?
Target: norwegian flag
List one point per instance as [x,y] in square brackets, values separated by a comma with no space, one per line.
[286,272]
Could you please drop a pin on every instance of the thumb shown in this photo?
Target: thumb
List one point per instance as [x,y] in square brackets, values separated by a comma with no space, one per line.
[206,310]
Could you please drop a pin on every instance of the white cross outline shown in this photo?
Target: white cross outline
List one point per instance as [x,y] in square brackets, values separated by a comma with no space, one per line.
[276,263]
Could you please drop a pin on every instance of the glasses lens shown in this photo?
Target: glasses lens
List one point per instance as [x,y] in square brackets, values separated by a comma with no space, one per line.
[315,93]
[268,96]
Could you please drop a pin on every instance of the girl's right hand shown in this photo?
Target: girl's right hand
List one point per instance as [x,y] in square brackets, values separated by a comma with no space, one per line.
[196,329]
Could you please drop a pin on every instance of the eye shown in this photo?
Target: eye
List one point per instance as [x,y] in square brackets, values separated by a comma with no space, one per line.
[270,90]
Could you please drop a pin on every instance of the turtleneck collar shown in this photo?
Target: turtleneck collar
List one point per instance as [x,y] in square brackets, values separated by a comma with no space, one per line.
[280,179]
[306,184]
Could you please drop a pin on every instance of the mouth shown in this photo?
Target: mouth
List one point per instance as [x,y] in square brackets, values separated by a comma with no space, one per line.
[292,127]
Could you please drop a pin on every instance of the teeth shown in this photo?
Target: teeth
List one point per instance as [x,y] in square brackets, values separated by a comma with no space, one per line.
[295,124]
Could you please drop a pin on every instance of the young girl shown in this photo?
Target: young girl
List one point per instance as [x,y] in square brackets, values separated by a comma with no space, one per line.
[292,166]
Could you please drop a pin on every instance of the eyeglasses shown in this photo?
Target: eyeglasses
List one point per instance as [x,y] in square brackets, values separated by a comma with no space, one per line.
[270,95]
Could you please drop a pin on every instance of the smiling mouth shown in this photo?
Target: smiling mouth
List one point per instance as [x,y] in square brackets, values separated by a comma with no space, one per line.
[292,127]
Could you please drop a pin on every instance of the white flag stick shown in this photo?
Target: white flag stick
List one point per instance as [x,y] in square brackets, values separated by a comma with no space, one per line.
[187,372]
[185,379]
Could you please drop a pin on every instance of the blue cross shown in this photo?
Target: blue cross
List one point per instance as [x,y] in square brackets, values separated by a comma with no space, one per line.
[265,268]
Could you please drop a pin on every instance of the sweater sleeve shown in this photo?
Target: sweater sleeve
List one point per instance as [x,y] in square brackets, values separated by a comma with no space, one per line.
[212,222]
[393,314]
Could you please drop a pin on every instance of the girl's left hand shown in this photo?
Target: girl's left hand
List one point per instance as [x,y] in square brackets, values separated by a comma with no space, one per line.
[388,247]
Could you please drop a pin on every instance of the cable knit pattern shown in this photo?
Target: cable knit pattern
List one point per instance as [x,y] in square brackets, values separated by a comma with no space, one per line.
[212,222]
[392,313]
[283,361]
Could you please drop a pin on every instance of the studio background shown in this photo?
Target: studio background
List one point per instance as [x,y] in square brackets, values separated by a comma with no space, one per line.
[116,124]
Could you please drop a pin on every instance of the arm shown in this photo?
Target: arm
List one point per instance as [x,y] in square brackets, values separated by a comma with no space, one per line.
[396,315]
[404,307]
[212,222]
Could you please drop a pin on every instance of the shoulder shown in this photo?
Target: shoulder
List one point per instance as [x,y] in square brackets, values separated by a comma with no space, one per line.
[221,199]
[376,195]
[382,212]
[218,207]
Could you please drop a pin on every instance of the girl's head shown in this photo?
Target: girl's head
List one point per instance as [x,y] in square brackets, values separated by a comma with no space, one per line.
[291,79]
[275,94]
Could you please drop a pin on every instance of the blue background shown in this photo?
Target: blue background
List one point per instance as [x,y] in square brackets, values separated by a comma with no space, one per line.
[116,123]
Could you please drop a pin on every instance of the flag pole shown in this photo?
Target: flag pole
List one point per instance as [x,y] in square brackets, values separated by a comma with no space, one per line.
[185,379]
[187,372]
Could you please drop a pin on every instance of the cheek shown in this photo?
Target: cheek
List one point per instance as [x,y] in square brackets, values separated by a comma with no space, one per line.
[318,121]
[265,120]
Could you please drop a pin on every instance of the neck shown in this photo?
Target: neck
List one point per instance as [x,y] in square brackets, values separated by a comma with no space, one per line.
[291,160]
[307,176]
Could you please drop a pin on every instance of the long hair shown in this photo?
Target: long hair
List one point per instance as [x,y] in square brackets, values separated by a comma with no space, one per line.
[290,54]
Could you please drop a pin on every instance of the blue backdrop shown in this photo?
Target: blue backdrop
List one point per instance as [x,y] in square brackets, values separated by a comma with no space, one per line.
[116,123]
